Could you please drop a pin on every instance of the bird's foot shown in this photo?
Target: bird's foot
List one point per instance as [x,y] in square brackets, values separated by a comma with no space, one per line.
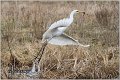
[32,73]
[35,70]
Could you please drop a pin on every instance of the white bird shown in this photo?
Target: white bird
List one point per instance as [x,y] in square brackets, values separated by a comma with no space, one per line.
[55,35]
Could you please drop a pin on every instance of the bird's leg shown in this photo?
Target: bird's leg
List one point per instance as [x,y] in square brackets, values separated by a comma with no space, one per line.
[38,58]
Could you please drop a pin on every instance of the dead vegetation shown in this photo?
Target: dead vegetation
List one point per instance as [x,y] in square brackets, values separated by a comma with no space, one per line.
[23,24]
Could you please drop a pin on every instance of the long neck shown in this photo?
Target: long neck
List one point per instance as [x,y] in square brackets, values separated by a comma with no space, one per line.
[72,15]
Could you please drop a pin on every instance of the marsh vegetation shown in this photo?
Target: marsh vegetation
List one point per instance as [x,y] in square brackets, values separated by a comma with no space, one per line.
[23,24]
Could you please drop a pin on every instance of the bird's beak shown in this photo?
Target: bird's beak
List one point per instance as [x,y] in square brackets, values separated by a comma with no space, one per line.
[82,12]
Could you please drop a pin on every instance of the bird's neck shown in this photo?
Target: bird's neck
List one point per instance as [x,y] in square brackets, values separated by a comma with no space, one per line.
[72,15]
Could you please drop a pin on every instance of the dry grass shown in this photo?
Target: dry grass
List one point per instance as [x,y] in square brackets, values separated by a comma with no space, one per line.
[23,24]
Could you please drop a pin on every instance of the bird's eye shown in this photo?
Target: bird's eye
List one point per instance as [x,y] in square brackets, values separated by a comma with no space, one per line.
[77,11]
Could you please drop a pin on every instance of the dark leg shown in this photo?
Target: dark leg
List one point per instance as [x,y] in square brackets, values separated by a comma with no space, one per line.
[38,58]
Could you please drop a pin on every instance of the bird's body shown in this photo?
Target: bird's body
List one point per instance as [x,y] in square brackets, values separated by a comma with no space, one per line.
[57,28]
[55,33]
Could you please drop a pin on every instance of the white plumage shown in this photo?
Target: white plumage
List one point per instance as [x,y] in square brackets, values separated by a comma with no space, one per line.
[55,34]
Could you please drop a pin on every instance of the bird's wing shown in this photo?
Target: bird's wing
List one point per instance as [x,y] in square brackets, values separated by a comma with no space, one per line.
[76,41]
[64,39]
[61,23]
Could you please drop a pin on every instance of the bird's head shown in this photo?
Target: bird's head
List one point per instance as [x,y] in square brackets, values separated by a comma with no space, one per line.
[77,11]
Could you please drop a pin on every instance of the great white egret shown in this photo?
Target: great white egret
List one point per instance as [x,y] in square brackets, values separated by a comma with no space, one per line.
[55,35]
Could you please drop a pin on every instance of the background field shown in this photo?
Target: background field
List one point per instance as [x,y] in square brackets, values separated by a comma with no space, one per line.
[22,27]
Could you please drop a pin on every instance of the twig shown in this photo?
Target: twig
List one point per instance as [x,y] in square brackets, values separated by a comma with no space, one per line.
[12,58]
